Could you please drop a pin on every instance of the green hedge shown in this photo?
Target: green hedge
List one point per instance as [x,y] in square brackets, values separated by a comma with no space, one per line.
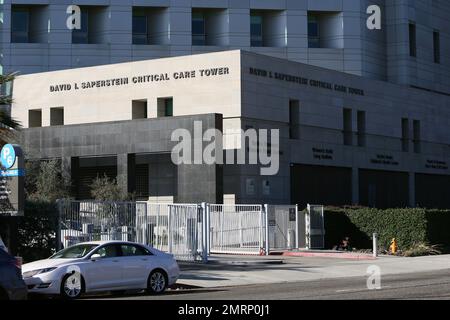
[408,226]
[37,231]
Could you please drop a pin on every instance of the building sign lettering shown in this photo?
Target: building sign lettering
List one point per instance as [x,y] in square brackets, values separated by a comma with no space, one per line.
[436,164]
[322,154]
[307,82]
[384,159]
[138,79]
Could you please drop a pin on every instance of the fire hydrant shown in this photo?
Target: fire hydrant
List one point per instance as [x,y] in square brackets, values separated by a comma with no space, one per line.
[393,247]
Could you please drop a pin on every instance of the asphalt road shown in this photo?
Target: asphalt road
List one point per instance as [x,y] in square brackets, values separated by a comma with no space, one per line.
[435,285]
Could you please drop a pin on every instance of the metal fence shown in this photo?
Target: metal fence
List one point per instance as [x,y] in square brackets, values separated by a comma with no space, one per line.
[237,228]
[284,228]
[174,228]
[315,229]
[191,231]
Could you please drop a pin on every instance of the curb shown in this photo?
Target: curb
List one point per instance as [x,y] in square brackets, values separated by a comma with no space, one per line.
[235,263]
[350,256]
[245,263]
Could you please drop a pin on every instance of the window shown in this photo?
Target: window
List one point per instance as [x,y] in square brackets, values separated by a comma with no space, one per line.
[74,252]
[210,27]
[34,118]
[139,109]
[29,23]
[325,30]
[412,40]
[361,118]
[294,119]
[56,116]
[347,117]
[198,28]
[165,107]
[150,25]
[437,46]
[256,30]
[82,35]
[405,135]
[168,107]
[94,20]
[313,31]
[20,24]
[416,135]
[140,27]
[130,250]
[108,251]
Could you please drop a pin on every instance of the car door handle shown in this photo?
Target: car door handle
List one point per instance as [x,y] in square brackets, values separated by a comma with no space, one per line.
[144,259]
[115,261]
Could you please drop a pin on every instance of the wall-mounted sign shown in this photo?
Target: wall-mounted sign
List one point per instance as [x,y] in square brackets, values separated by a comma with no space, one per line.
[436,164]
[323,154]
[306,82]
[266,187]
[250,188]
[384,159]
[12,189]
[292,215]
[141,79]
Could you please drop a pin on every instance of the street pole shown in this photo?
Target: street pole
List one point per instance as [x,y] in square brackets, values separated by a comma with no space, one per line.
[375,245]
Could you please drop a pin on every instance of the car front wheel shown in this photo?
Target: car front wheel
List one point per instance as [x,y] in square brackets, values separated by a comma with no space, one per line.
[157,282]
[72,286]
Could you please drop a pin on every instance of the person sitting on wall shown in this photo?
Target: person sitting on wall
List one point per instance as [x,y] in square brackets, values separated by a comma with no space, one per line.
[344,245]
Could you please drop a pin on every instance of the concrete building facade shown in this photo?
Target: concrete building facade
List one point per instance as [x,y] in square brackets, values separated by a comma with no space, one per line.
[412,48]
[344,139]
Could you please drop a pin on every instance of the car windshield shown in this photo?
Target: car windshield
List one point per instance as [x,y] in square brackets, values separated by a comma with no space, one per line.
[77,251]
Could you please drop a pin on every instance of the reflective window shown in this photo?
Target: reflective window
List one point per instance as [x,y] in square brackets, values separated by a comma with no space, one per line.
[313,32]
[412,40]
[75,252]
[168,107]
[20,25]
[130,250]
[140,29]
[256,30]
[437,46]
[109,251]
[198,29]
[82,35]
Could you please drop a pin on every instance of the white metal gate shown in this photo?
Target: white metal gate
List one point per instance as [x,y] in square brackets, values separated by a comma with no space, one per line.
[175,228]
[315,229]
[237,229]
[284,232]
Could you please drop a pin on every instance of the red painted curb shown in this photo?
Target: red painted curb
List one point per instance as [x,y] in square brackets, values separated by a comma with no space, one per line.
[329,255]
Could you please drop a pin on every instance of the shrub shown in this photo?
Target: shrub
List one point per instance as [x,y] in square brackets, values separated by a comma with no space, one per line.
[422,249]
[408,226]
[37,231]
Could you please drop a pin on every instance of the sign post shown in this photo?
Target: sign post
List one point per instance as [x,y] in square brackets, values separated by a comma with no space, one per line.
[12,175]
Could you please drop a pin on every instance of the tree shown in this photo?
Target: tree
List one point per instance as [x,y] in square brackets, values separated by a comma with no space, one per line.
[49,183]
[8,125]
[106,189]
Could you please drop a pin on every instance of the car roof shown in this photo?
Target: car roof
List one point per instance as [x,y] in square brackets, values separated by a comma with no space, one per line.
[99,243]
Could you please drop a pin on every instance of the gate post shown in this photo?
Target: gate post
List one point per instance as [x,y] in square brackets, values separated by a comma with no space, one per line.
[308,227]
[265,213]
[204,234]
[58,225]
[169,229]
[297,236]
[208,229]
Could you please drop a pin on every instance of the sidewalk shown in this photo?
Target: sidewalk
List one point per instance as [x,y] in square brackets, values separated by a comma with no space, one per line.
[227,270]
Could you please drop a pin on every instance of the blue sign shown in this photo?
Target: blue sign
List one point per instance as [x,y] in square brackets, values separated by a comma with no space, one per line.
[12,173]
[8,156]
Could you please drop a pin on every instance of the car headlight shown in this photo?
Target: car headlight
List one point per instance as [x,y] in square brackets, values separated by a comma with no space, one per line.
[30,274]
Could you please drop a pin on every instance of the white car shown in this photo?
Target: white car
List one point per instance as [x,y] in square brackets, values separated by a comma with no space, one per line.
[102,266]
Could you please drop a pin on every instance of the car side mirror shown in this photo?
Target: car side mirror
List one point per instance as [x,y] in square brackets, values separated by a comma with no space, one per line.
[96,257]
